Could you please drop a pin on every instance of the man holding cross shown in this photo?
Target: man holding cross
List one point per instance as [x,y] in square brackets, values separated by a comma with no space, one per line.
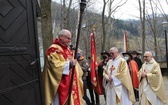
[117,81]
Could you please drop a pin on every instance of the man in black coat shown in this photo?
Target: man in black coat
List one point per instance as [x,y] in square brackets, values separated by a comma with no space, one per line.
[101,65]
[136,59]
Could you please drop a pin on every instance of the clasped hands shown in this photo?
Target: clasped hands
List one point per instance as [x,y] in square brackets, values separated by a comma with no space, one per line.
[143,73]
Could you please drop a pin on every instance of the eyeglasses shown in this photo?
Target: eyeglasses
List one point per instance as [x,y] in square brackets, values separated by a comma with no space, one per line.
[145,56]
[67,37]
[111,53]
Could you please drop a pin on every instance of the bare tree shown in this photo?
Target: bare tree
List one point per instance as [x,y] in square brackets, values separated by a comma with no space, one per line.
[152,24]
[142,20]
[103,24]
[66,13]
[113,6]
[162,10]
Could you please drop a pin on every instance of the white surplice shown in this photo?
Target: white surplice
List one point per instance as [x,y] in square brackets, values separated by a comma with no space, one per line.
[145,91]
[115,87]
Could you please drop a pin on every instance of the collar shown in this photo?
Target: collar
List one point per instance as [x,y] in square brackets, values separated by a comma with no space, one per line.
[151,61]
[116,58]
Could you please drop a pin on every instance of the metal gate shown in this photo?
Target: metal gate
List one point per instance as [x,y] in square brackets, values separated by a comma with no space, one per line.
[19,54]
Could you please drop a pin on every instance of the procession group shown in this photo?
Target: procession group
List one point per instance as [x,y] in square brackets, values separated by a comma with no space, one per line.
[121,77]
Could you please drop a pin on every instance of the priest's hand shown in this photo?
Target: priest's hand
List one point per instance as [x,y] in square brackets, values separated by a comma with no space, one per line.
[73,62]
[109,79]
[143,74]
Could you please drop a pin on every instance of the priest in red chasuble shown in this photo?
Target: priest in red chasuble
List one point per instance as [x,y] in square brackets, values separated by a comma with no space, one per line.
[57,73]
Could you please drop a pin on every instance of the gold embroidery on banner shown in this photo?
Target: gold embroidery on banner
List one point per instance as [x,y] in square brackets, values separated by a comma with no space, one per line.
[75,91]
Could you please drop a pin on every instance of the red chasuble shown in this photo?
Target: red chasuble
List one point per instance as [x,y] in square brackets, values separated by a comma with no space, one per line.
[64,85]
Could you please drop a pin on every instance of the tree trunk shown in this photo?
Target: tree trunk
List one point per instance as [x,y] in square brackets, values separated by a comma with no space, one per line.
[103,26]
[143,28]
[46,23]
[142,19]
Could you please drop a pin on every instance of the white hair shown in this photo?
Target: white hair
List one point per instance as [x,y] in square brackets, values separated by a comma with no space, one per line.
[149,52]
[63,32]
[114,48]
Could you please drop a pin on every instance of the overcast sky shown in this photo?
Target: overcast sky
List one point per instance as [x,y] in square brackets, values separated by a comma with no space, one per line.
[127,11]
[131,9]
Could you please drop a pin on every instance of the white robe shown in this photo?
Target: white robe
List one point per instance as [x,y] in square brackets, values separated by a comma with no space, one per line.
[145,91]
[115,87]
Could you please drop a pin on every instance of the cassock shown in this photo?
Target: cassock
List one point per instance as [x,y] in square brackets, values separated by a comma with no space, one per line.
[57,77]
[119,91]
[151,88]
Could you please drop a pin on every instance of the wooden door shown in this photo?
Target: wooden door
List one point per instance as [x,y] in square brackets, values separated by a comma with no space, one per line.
[19,54]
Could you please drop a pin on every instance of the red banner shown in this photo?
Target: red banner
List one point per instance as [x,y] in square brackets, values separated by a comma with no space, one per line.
[93,60]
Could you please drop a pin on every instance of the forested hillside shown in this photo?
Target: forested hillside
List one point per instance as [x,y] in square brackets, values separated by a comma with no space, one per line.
[115,29]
